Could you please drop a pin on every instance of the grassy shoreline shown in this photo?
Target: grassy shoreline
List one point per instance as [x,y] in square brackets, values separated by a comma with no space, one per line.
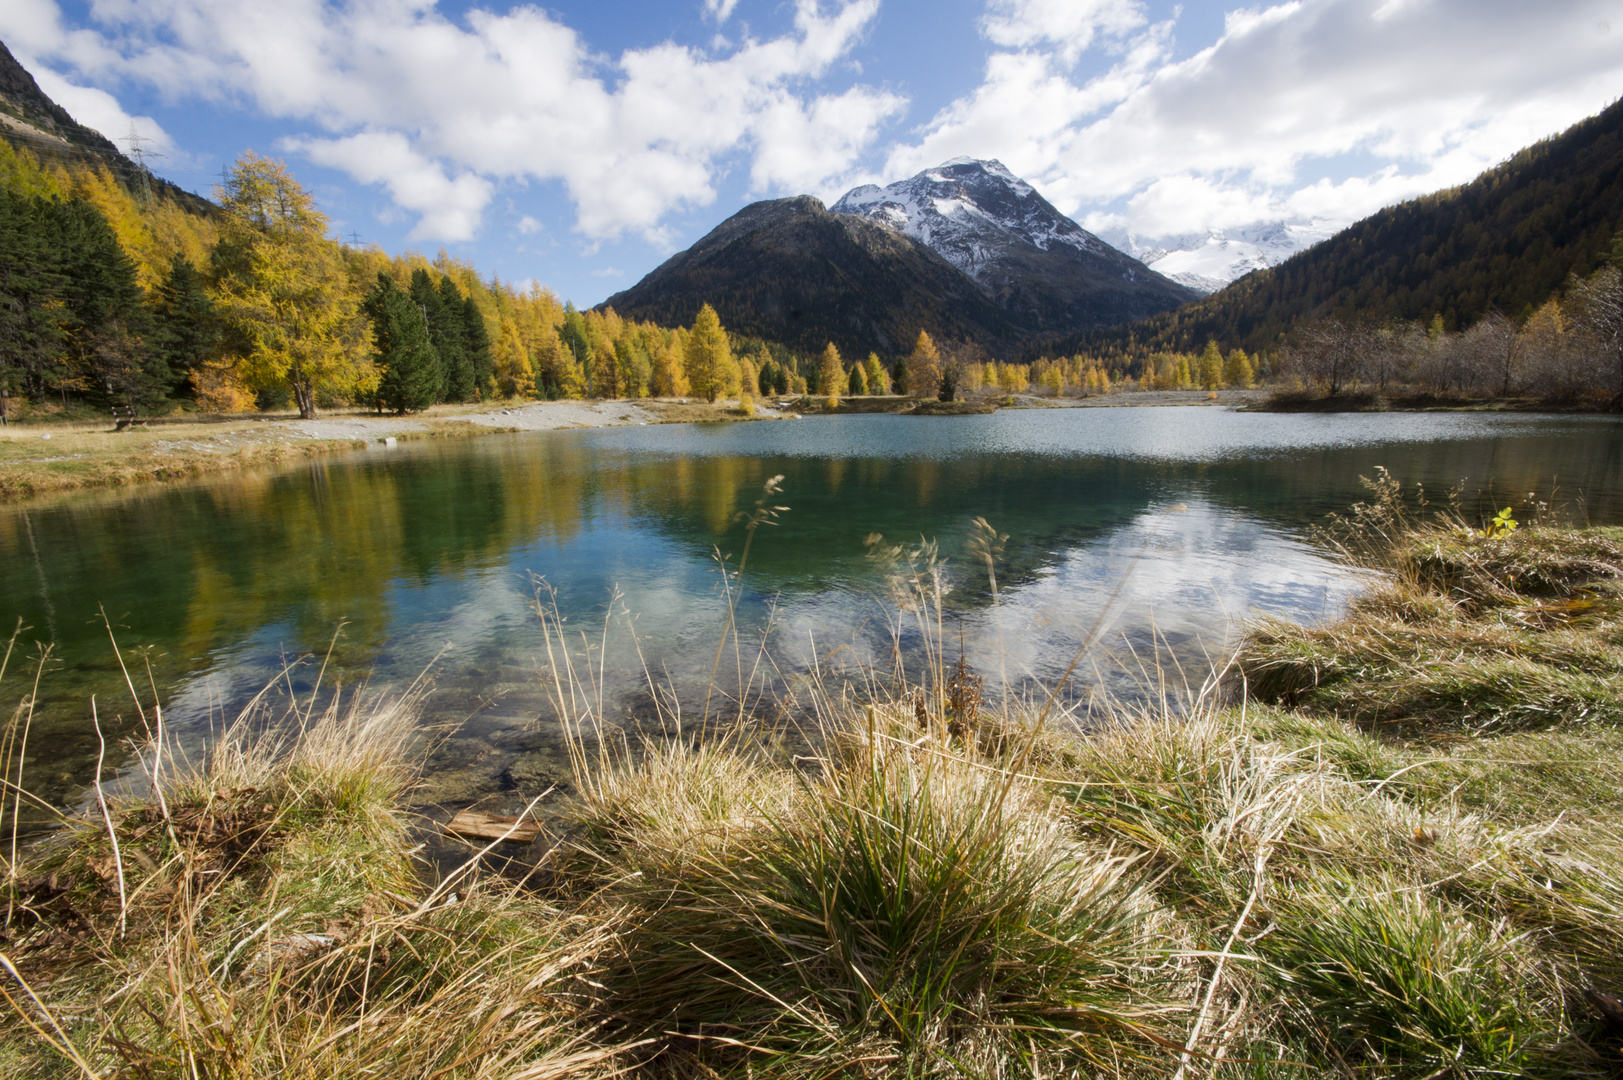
[41,459]
[1389,848]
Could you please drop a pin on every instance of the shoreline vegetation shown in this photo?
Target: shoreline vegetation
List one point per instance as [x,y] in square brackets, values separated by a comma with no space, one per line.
[1314,401]
[1385,846]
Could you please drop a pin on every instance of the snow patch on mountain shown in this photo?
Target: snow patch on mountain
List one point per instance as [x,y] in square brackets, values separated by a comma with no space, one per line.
[1208,261]
[969,211]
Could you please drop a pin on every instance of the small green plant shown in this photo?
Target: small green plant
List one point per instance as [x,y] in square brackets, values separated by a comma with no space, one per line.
[1502,523]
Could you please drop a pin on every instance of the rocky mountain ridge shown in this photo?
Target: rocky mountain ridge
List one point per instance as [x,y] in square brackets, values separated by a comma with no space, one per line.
[31,120]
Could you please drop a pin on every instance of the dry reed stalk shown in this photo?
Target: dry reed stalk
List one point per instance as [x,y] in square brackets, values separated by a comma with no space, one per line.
[107,818]
[155,739]
[21,748]
[763,514]
[1281,819]
[61,1043]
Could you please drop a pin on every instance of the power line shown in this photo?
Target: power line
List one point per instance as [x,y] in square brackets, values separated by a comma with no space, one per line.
[139,153]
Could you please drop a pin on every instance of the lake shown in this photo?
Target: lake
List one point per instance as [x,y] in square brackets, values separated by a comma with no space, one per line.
[1160,530]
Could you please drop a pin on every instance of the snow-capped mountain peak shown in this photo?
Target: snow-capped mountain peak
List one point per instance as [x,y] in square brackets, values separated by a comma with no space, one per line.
[1026,255]
[967,209]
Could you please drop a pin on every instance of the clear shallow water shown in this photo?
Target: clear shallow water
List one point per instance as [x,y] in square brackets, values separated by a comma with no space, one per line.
[1197,514]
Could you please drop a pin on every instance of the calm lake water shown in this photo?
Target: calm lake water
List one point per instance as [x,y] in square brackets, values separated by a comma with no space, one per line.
[1194,519]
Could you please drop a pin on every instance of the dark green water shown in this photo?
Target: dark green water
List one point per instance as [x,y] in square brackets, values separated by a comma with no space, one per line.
[432,547]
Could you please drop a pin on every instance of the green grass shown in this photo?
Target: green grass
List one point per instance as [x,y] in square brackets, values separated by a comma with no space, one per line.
[1464,631]
[1395,982]
[916,908]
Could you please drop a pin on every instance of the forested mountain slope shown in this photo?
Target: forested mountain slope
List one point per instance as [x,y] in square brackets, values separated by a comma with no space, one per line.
[1505,241]
[31,120]
[789,271]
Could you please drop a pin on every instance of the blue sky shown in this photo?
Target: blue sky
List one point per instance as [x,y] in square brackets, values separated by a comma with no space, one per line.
[580,144]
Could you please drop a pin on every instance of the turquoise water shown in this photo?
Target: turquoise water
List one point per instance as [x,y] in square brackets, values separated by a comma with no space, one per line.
[1193,518]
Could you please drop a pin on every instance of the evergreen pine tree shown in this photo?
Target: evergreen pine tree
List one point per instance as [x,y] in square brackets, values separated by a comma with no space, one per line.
[480,361]
[186,332]
[426,296]
[451,341]
[408,368]
[106,316]
[31,281]
[764,380]
[858,380]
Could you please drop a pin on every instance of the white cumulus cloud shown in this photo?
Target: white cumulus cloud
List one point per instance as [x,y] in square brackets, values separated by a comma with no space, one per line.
[1070,25]
[720,10]
[438,111]
[450,207]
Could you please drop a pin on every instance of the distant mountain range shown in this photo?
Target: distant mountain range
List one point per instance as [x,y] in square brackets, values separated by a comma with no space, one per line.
[1209,261]
[1008,269]
[967,250]
[1506,241]
[29,118]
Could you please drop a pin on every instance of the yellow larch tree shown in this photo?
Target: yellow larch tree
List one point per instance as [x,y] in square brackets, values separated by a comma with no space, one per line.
[281,287]
[708,355]
[831,375]
[923,368]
